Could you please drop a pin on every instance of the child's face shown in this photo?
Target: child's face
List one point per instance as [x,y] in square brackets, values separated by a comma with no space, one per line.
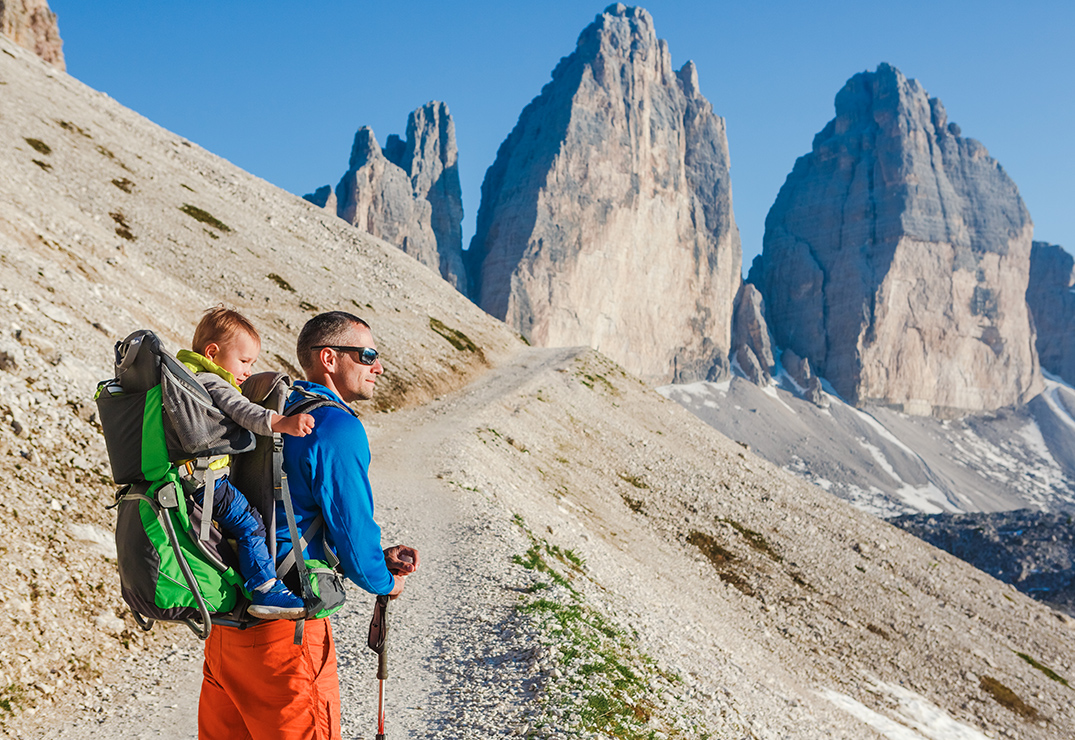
[236,355]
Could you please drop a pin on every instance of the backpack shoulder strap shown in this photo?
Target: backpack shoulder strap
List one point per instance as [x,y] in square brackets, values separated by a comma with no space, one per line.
[311,401]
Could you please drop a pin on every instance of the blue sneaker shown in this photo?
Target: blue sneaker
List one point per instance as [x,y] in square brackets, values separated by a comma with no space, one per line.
[276,603]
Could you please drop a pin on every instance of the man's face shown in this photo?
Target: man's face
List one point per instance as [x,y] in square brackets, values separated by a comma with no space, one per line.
[355,381]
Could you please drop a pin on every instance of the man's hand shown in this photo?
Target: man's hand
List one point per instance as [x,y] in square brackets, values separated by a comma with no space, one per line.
[298,425]
[401,560]
[397,586]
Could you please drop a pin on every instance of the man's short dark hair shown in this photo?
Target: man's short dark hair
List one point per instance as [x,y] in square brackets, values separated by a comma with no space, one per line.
[325,328]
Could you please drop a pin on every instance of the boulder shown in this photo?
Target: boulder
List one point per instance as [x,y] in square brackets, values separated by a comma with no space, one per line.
[1052,304]
[409,193]
[749,328]
[32,25]
[809,385]
[751,367]
[606,219]
[896,258]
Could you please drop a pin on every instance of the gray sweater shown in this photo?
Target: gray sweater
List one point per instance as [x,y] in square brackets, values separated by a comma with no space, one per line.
[236,406]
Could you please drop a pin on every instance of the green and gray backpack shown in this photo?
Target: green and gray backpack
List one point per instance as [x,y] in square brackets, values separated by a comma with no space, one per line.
[162,431]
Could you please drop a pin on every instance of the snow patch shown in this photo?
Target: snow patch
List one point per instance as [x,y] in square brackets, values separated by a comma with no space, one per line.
[917,718]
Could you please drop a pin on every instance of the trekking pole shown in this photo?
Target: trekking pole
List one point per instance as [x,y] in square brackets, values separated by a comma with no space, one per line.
[377,642]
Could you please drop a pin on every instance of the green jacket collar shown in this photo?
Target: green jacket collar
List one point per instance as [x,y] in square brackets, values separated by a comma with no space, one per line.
[201,364]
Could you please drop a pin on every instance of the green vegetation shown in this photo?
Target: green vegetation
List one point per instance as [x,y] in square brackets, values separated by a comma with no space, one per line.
[12,697]
[43,165]
[73,128]
[1044,669]
[756,540]
[280,282]
[38,146]
[188,187]
[204,217]
[456,338]
[307,306]
[609,686]
[721,560]
[123,229]
[1007,698]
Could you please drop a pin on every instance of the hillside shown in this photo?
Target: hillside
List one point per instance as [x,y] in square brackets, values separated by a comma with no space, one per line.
[597,561]
[109,223]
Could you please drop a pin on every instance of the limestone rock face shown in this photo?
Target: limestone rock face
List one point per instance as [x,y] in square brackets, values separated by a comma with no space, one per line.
[606,219]
[32,25]
[409,193]
[750,331]
[1052,304]
[896,258]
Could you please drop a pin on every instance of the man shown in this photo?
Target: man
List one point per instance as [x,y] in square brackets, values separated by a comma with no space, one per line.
[257,682]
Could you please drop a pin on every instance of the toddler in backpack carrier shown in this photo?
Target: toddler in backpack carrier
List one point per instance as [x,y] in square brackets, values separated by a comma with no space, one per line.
[225,347]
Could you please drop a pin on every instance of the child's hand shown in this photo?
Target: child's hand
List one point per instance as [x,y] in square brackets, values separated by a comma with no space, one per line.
[297,426]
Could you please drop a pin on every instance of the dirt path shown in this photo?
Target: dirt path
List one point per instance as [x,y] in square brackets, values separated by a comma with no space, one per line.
[157,698]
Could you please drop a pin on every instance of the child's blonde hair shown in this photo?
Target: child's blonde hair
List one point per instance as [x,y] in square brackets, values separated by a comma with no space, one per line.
[220,324]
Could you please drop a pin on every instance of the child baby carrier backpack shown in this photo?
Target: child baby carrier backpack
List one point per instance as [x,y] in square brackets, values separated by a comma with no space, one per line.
[163,435]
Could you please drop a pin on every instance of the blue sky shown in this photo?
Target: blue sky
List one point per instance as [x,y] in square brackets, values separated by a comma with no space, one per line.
[279,88]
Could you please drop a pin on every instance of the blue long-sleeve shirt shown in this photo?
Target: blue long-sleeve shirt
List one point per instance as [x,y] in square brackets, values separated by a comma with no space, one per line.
[328,474]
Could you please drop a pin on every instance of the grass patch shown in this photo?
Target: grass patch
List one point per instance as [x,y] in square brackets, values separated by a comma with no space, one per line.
[456,338]
[632,503]
[38,146]
[1007,698]
[12,698]
[289,368]
[43,165]
[1049,672]
[634,480]
[123,229]
[74,128]
[188,187]
[307,306]
[721,559]
[756,540]
[610,688]
[205,217]
[877,631]
[124,184]
[280,282]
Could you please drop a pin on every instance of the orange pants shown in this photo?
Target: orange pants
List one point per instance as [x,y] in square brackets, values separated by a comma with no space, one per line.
[259,685]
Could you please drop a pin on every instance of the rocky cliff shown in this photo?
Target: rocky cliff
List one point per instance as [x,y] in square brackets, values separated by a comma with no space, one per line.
[606,219]
[32,25]
[1052,304]
[408,193]
[896,258]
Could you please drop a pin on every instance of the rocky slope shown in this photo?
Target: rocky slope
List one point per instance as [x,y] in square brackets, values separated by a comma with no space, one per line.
[889,463]
[32,25]
[1052,304]
[109,223]
[407,193]
[896,258]
[1032,550]
[606,219]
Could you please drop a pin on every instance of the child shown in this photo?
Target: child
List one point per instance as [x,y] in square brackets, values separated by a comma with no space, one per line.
[225,347]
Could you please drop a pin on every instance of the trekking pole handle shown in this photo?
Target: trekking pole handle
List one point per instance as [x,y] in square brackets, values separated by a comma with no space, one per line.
[382,664]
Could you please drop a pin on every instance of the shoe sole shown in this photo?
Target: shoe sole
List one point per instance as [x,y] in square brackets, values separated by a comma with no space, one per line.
[276,612]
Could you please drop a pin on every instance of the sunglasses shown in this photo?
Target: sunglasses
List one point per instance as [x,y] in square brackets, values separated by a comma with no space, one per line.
[366,355]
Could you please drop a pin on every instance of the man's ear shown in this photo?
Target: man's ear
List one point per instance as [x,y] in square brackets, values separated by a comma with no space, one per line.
[328,361]
[211,350]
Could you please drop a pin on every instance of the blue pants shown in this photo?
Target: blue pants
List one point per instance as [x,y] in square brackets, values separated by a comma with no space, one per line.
[240,521]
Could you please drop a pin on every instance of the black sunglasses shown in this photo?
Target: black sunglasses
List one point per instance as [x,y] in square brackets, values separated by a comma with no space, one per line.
[366,355]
